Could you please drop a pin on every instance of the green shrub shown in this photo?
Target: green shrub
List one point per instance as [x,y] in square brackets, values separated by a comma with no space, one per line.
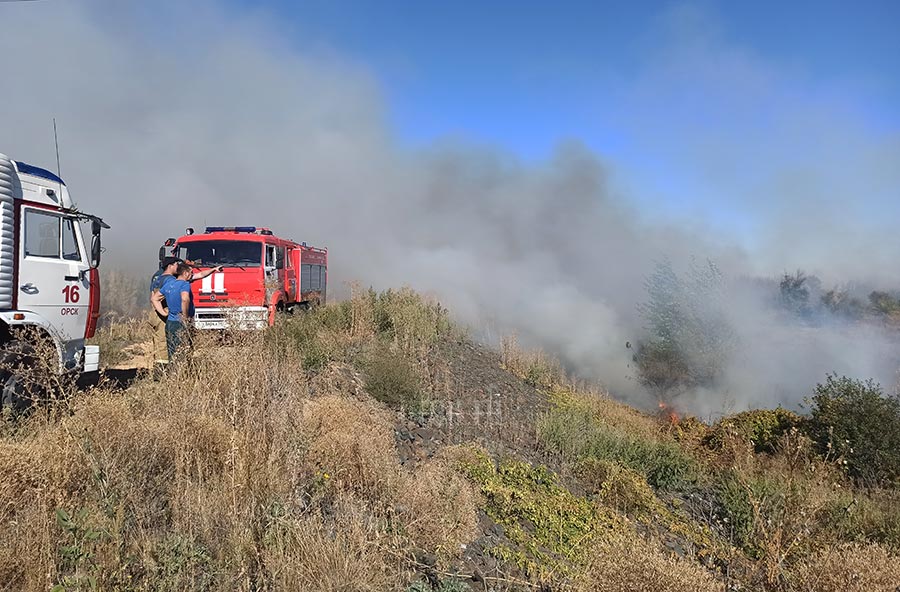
[314,333]
[535,367]
[392,379]
[180,563]
[447,585]
[407,318]
[78,556]
[884,304]
[551,528]
[578,435]
[736,509]
[853,419]
[743,501]
[860,518]
[762,428]
[334,317]
[618,487]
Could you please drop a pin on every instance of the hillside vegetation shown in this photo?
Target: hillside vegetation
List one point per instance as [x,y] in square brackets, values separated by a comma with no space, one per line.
[369,445]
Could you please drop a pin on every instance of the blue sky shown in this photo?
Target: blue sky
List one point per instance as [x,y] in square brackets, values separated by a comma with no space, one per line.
[700,108]
[525,74]
[735,116]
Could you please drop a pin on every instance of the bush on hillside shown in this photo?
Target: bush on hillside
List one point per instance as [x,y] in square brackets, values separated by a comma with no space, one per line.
[855,420]
[551,530]
[630,563]
[872,518]
[617,486]
[437,507]
[407,318]
[580,436]
[315,334]
[841,303]
[392,379]
[884,304]
[535,367]
[761,428]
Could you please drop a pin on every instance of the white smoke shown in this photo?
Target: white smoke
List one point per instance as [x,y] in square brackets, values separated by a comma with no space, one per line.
[172,117]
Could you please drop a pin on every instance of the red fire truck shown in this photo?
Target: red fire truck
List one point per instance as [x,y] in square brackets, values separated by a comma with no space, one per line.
[263,275]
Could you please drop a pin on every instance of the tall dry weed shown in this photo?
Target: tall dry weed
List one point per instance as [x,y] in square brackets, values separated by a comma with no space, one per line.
[535,367]
[629,563]
[438,508]
[849,568]
[348,551]
[351,445]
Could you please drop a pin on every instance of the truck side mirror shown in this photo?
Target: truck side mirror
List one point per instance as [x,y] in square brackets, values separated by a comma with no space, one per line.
[95,251]
[95,243]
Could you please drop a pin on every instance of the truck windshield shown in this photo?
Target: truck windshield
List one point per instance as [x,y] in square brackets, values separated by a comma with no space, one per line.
[212,253]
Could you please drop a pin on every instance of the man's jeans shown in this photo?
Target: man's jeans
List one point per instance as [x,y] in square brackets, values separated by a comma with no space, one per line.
[176,336]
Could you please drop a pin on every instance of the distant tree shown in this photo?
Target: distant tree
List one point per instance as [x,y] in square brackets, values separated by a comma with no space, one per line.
[840,303]
[883,303]
[688,336]
[793,288]
[796,291]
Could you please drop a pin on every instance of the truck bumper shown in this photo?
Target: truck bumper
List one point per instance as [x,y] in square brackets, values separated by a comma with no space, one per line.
[240,317]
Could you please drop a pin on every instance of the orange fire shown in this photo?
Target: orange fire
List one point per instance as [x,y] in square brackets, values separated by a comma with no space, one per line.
[669,413]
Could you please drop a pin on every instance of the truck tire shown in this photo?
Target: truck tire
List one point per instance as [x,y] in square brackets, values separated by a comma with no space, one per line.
[15,393]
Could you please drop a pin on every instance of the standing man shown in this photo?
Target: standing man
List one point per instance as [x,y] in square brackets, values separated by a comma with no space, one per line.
[180,301]
[159,313]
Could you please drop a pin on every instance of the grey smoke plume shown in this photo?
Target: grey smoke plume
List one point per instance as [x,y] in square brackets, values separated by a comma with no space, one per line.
[174,118]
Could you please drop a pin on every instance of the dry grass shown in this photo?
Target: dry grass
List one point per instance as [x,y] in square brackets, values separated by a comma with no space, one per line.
[849,568]
[603,409]
[581,427]
[124,295]
[209,455]
[535,367]
[439,508]
[123,341]
[632,564]
[351,446]
[264,464]
[229,472]
[346,551]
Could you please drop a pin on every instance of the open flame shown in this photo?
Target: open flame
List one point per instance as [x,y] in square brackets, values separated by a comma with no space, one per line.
[668,412]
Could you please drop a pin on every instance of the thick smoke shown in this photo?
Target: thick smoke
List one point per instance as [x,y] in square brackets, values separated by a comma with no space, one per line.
[178,118]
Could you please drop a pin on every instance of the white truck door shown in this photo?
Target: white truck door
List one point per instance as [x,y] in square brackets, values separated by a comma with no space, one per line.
[50,265]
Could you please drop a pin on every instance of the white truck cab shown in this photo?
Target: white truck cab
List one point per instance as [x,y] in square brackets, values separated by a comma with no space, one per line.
[49,283]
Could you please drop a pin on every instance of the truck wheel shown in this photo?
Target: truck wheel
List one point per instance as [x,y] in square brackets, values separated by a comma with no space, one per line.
[15,393]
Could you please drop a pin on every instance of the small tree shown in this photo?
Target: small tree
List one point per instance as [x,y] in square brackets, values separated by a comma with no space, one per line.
[856,420]
[688,336]
[800,294]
